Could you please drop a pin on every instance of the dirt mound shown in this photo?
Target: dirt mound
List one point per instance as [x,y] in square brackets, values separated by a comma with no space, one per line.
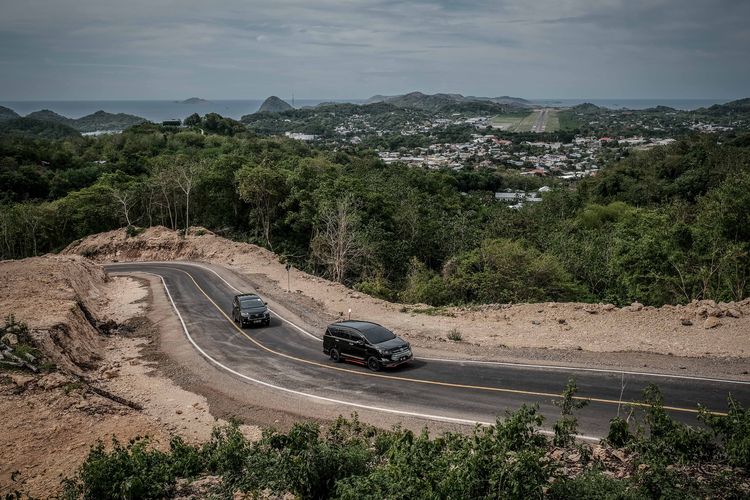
[699,329]
[57,297]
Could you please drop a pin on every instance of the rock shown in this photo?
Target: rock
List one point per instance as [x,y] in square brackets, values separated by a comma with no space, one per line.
[562,321]
[711,322]
[620,455]
[715,312]
[574,457]
[608,307]
[21,380]
[556,455]
[178,411]
[598,452]
[733,313]
[10,339]
[686,321]
[52,381]
[536,322]
[110,374]
[590,310]
[635,306]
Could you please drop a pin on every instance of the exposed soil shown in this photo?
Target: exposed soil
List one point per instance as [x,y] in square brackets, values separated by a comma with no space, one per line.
[95,330]
[699,338]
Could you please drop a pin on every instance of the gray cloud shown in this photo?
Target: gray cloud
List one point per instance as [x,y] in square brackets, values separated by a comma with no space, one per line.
[98,49]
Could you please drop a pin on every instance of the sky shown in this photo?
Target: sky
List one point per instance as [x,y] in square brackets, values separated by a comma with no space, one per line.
[343,49]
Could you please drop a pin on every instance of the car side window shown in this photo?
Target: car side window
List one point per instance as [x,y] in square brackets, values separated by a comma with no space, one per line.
[355,337]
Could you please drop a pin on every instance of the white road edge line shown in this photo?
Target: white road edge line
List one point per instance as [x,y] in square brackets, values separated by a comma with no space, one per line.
[479,362]
[502,363]
[439,418]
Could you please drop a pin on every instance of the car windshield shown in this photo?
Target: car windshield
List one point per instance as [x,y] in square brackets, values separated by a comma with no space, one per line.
[251,303]
[377,334]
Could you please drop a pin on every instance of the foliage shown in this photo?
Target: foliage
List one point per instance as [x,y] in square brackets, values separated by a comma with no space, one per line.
[566,426]
[663,226]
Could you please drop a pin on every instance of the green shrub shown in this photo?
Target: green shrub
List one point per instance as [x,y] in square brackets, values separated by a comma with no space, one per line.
[131,471]
[376,287]
[567,425]
[733,430]
[593,485]
[455,335]
[619,433]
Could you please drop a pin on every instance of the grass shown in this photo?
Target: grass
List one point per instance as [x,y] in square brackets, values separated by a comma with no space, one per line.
[509,123]
[455,335]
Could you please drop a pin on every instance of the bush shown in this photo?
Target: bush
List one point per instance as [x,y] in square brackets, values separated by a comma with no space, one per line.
[507,271]
[131,471]
[455,335]
[733,430]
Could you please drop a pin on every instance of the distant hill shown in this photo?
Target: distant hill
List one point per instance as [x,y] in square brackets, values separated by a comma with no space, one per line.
[50,116]
[194,100]
[274,105]
[38,129]
[451,102]
[738,106]
[101,120]
[7,114]
[586,107]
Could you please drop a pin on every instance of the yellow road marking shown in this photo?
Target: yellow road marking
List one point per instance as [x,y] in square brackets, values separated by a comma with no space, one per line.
[421,381]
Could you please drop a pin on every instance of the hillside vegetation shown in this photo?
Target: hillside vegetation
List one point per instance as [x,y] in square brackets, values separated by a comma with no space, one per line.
[511,459]
[664,226]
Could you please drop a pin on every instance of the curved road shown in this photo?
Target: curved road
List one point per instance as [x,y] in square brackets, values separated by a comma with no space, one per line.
[289,359]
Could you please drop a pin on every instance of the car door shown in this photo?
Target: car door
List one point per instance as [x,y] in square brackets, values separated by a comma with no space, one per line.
[357,347]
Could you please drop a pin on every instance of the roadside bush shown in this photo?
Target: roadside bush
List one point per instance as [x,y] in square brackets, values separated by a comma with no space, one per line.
[593,485]
[733,430]
[566,426]
[131,471]
[455,335]
[669,441]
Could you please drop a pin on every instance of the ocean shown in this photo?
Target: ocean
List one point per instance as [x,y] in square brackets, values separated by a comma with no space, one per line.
[683,104]
[158,111]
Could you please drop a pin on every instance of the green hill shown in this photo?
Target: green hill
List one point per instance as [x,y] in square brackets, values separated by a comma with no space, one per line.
[7,114]
[101,120]
[38,129]
[274,105]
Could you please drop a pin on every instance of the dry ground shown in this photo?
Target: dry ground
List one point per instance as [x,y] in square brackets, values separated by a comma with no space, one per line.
[700,330]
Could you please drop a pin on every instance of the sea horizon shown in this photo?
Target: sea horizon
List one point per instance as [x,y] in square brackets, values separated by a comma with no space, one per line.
[158,110]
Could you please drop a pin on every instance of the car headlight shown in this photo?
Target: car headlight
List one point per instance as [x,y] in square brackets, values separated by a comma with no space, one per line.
[245,315]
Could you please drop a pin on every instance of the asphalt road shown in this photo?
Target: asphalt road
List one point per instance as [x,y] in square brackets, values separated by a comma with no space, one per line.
[286,358]
[541,121]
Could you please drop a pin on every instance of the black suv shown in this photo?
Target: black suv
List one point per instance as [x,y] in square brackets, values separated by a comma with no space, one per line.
[365,343]
[249,309]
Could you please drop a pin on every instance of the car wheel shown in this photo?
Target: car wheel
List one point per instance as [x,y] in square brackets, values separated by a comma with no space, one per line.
[373,364]
[335,356]
[267,322]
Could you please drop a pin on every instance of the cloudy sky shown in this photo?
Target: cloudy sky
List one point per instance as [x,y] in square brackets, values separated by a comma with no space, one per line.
[166,49]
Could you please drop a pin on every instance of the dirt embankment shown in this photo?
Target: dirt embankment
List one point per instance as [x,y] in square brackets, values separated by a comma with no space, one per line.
[698,330]
[96,330]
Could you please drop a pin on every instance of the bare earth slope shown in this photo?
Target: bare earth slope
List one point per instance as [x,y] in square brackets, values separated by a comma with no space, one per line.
[699,329]
[50,420]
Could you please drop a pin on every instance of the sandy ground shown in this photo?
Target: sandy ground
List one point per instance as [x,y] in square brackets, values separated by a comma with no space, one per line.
[50,421]
[698,330]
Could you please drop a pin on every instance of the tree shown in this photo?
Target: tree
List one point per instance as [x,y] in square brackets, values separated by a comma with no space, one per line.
[337,242]
[263,188]
[192,120]
[187,170]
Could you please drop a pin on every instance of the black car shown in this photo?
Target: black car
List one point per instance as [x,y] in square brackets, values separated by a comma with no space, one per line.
[366,344]
[250,309]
